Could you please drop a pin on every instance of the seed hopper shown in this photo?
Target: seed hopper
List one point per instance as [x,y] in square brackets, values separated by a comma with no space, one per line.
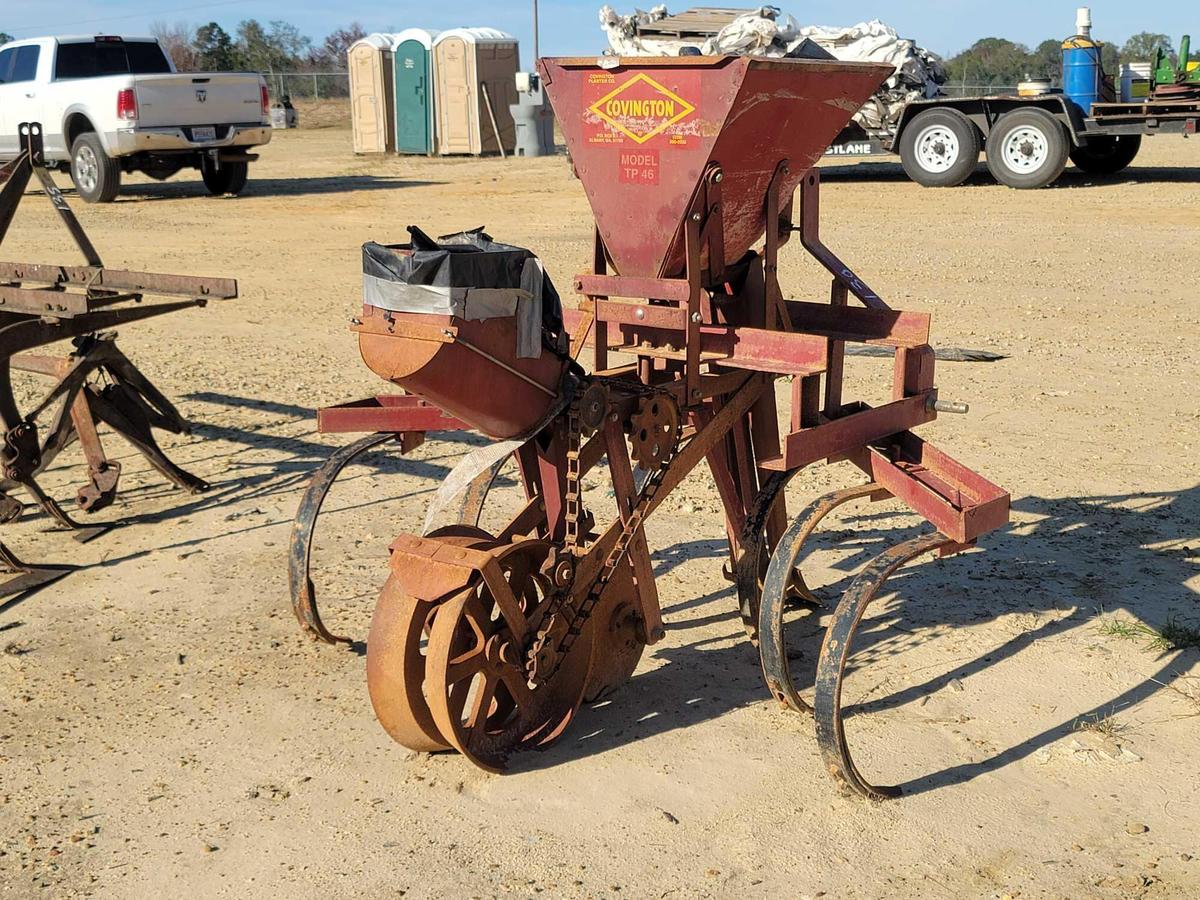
[488,642]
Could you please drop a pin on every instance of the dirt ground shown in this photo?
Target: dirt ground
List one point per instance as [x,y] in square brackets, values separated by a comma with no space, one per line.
[165,729]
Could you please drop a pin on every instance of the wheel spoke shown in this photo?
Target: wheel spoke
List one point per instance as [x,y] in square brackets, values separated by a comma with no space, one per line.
[481,704]
[465,667]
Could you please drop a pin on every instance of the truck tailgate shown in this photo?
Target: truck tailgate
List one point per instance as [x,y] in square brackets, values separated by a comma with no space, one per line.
[197,99]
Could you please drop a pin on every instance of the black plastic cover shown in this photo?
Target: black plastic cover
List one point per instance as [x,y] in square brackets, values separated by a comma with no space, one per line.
[470,259]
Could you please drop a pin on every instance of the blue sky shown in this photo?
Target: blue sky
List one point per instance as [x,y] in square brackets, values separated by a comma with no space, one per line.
[570,26]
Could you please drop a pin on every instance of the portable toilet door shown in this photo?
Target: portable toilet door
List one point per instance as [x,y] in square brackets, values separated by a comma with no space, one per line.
[412,60]
[496,66]
[465,58]
[371,105]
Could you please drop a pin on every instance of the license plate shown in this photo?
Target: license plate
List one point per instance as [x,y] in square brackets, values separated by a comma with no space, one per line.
[208,133]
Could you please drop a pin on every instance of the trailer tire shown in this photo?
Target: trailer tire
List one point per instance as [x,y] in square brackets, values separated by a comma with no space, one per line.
[1027,149]
[96,175]
[940,148]
[1107,154]
[229,178]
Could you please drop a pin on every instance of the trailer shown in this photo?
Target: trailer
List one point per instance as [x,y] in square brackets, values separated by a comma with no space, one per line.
[1029,137]
[1028,140]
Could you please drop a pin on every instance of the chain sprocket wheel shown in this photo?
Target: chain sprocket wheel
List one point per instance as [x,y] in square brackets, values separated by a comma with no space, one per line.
[593,407]
[654,432]
[396,654]
[476,683]
[618,645]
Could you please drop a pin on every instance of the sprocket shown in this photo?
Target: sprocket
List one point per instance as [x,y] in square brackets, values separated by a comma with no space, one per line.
[654,432]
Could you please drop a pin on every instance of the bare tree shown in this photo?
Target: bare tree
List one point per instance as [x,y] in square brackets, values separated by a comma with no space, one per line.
[177,41]
[333,50]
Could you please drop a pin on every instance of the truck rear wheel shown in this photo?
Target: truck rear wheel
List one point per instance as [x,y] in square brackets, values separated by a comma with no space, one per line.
[940,148]
[1027,149]
[228,178]
[97,177]
[1106,155]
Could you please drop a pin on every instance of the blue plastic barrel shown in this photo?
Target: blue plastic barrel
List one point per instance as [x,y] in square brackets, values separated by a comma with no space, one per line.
[1082,72]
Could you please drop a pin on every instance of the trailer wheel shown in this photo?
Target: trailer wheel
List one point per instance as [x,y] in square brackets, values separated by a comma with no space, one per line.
[96,175]
[1027,149]
[1106,155]
[229,178]
[940,148]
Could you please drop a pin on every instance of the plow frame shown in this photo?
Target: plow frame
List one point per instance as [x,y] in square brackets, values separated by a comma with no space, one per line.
[41,304]
[713,341]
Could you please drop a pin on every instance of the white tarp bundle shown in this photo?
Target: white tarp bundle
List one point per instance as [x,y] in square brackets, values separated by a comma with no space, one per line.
[764,32]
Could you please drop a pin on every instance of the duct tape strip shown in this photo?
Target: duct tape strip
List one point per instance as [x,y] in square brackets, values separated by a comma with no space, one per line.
[529,325]
[472,304]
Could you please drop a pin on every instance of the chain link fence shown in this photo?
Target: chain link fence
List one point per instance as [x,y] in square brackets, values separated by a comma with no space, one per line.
[336,85]
[978,90]
[309,85]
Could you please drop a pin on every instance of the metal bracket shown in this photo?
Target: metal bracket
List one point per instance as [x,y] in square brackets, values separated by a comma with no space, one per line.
[810,237]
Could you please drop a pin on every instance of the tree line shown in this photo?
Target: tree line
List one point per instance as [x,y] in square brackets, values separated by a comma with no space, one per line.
[277,46]
[1002,62]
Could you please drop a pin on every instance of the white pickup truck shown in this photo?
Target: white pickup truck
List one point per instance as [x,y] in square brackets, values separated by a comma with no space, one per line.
[109,105]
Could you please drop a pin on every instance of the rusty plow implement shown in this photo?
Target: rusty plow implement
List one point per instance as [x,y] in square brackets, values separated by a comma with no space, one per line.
[488,642]
[94,383]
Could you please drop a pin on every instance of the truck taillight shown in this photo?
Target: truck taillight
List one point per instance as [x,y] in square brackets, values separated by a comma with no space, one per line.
[126,105]
[266,100]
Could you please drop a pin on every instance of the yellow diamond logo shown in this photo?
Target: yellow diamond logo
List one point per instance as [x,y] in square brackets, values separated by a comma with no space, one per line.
[642,108]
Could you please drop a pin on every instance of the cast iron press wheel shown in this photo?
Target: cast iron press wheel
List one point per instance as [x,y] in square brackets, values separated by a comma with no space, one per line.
[1027,149]
[228,178]
[97,178]
[940,148]
[396,654]
[1105,155]
[475,678]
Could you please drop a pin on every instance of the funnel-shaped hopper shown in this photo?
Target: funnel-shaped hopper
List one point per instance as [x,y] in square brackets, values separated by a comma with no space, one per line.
[642,133]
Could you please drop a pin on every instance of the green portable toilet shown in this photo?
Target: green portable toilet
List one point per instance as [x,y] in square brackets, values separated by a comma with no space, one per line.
[412,53]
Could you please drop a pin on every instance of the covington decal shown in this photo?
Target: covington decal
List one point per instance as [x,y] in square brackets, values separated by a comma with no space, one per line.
[641,108]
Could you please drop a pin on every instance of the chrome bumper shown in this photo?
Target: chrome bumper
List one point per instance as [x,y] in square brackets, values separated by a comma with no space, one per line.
[128,141]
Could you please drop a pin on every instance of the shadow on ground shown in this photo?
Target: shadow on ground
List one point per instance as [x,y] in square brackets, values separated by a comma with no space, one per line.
[1066,562]
[142,191]
[1072,178]
[242,479]
[1140,551]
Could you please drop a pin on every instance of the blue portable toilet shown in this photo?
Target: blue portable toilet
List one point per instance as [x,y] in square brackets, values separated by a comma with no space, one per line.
[412,62]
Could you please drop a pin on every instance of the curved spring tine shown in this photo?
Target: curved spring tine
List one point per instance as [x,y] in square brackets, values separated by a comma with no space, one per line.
[835,650]
[304,598]
[753,539]
[781,574]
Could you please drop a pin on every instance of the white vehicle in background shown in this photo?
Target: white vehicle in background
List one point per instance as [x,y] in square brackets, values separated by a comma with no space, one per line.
[109,105]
